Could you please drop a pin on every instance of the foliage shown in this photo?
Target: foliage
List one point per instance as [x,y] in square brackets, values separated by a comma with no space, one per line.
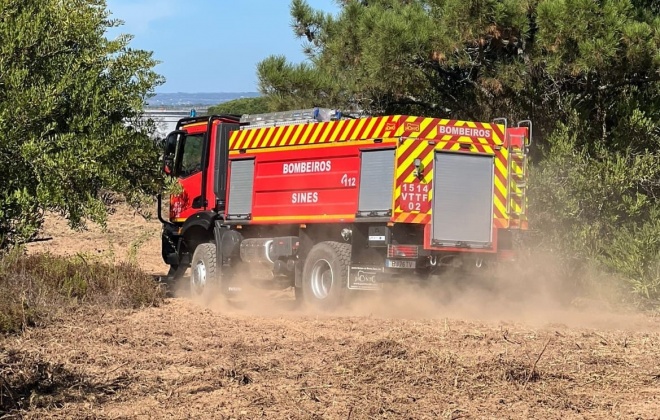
[587,73]
[34,289]
[70,102]
[476,59]
[599,211]
[241,106]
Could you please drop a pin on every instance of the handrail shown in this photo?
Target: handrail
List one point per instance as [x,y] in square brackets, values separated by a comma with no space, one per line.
[527,123]
[159,209]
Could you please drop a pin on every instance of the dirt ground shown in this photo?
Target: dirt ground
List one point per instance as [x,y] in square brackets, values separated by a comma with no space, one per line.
[403,355]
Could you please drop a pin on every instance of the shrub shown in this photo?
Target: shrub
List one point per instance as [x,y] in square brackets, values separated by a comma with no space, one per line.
[596,209]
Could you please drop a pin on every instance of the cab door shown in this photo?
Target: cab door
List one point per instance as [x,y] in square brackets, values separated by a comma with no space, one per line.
[190,174]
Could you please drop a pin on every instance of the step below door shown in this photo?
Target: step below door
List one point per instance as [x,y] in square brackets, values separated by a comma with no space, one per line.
[462,200]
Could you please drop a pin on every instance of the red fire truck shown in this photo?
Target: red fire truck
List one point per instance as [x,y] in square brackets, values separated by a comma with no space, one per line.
[328,204]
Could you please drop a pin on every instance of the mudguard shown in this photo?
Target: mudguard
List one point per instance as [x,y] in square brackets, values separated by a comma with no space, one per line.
[204,220]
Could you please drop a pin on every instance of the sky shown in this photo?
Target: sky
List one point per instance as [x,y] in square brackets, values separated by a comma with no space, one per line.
[211,45]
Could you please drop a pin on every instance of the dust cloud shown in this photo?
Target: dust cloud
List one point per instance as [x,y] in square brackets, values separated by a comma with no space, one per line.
[533,292]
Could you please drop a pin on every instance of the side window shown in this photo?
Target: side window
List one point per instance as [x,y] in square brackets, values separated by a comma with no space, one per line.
[191,160]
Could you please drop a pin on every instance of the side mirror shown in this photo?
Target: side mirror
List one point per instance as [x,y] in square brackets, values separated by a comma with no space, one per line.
[172,153]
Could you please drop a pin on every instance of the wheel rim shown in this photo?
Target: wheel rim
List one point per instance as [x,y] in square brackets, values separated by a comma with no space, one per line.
[322,279]
[198,277]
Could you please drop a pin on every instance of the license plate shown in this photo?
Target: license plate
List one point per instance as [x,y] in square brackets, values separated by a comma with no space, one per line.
[400,264]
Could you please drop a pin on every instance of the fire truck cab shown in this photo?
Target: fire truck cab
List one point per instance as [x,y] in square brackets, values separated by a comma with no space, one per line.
[326,203]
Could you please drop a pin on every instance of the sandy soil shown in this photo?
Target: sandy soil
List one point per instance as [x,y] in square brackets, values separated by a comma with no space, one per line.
[400,355]
[127,236]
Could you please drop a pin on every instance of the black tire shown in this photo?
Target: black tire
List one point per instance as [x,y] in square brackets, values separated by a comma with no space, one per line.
[325,274]
[203,270]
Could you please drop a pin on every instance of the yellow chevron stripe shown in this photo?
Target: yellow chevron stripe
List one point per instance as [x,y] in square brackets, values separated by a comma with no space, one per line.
[358,126]
[297,133]
[400,150]
[276,138]
[241,139]
[500,187]
[264,137]
[251,144]
[503,223]
[388,141]
[246,139]
[500,206]
[234,139]
[356,129]
[372,123]
[345,134]
[426,160]
[258,139]
[352,130]
[272,136]
[421,145]
[322,130]
[496,138]
[420,218]
[341,127]
[499,165]
[426,123]
[308,133]
[329,137]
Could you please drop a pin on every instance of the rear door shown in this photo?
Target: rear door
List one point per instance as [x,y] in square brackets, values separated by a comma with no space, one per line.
[463,200]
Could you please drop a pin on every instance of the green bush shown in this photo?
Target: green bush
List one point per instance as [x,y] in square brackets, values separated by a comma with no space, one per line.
[597,209]
[634,252]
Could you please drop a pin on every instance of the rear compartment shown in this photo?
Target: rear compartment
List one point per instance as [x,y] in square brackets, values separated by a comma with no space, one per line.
[462,200]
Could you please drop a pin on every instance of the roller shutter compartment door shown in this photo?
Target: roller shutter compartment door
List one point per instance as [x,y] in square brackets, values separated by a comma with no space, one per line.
[376,181]
[463,200]
[241,184]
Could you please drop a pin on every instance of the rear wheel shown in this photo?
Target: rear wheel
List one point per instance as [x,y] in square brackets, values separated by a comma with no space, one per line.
[203,269]
[325,274]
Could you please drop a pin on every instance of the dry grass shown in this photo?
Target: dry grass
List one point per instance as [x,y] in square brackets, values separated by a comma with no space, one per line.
[34,289]
[39,289]
[27,382]
[513,352]
[184,361]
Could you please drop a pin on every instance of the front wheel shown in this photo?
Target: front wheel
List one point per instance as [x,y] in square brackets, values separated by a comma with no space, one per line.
[203,269]
[325,274]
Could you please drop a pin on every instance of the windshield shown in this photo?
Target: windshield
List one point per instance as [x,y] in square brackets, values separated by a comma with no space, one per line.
[191,159]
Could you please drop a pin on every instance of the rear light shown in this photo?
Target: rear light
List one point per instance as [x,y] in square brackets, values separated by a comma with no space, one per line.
[402,251]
